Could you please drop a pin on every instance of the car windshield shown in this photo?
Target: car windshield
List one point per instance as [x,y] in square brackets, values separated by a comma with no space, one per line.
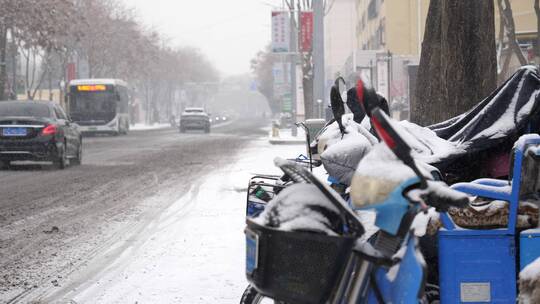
[22,109]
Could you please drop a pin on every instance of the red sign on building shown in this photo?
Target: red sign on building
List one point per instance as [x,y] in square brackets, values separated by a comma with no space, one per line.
[71,71]
[306,31]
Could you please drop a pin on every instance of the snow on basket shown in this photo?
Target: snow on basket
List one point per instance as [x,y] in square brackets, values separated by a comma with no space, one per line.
[302,207]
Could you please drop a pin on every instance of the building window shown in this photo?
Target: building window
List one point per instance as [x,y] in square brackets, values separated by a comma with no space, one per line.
[372,9]
[382,31]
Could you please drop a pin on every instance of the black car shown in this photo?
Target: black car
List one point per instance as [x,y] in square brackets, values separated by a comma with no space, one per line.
[38,131]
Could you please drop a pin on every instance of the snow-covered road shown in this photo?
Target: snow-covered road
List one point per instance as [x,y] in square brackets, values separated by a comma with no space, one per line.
[191,253]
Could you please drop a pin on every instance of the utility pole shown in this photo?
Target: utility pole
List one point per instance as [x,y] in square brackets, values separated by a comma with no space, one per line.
[293,59]
[318,55]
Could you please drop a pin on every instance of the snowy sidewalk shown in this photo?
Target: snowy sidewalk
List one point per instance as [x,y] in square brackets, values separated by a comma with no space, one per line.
[195,252]
[144,127]
[285,137]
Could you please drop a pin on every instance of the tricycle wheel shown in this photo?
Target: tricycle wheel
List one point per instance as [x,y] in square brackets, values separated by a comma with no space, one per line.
[252,296]
[431,294]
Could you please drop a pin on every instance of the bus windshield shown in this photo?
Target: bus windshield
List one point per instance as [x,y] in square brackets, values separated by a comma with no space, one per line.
[94,102]
[93,106]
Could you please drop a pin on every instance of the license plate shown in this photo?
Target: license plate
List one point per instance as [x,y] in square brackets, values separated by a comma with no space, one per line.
[254,209]
[14,131]
[92,129]
[252,251]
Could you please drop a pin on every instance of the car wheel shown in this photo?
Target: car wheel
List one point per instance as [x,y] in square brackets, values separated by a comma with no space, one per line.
[78,158]
[61,160]
[207,130]
[125,129]
[4,165]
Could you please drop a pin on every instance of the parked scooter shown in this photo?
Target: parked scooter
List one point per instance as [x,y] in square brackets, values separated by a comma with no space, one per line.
[303,266]
[472,145]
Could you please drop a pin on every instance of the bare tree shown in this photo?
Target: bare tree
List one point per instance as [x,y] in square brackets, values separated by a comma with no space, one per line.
[106,35]
[261,66]
[3,59]
[34,24]
[507,19]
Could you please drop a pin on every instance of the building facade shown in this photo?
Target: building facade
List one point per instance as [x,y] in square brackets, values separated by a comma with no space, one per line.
[389,34]
[340,36]
[525,22]
[396,26]
[388,38]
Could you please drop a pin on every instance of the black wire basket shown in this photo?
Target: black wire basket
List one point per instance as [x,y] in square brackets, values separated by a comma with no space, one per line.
[295,266]
[261,190]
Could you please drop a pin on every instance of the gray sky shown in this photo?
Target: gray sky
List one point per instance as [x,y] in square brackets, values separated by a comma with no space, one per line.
[229,32]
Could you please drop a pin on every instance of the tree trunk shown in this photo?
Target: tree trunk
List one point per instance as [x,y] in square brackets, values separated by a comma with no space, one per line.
[458,66]
[49,78]
[307,83]
[428,87]
[3,68]
[537,44]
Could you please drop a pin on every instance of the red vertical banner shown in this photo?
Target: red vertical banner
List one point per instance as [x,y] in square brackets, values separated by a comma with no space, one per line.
[71,71]
[306,31]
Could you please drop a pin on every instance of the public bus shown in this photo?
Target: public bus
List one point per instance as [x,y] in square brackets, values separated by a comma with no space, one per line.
[99,105]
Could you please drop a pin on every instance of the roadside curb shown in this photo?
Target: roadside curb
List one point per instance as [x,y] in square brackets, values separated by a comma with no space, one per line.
[286,141]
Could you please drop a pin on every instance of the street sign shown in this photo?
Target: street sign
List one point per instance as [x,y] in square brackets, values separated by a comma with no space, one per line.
[280,32]
[281,72]
[281,89]
[286,103]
